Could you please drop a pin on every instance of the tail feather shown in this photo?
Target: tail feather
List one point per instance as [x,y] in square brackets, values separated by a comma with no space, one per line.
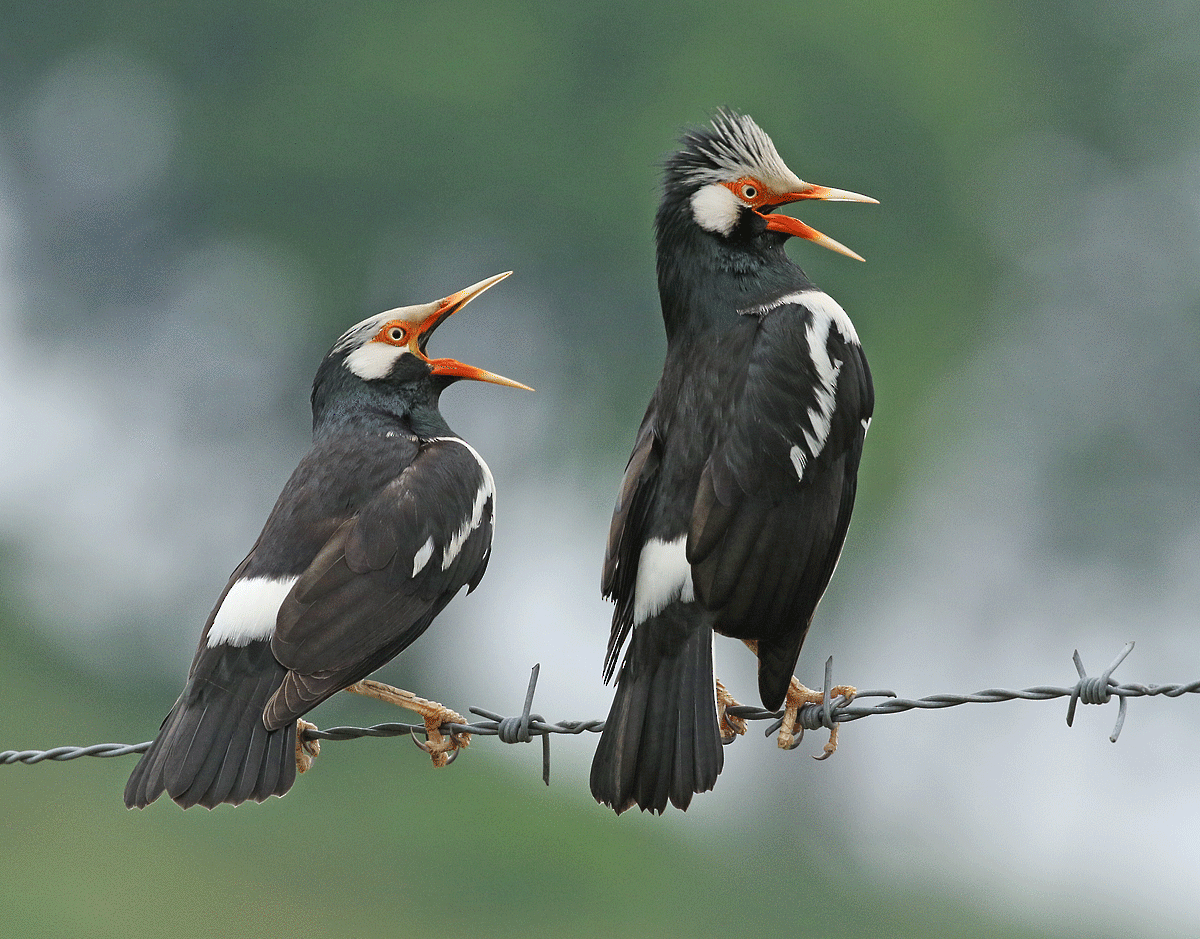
[278,768]
[776,665]
[661,741]
[213,746]
[242,740]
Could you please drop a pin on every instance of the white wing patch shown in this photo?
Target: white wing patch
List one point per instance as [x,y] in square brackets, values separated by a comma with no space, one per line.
[487,491]
[664,575]
[421,558]
[249,610]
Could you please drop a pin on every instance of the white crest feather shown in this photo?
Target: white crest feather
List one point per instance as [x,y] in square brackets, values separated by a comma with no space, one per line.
[741,148]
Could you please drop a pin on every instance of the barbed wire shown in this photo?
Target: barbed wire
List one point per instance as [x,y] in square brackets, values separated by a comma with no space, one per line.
[1099,689]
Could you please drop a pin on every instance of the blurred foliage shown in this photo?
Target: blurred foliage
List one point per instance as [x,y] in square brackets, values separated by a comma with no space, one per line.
[362,136]
[364,141]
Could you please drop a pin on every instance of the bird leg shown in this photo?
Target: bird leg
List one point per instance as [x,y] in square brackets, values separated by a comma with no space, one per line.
[442,748]
[730,726]
[797,696]
[306,750]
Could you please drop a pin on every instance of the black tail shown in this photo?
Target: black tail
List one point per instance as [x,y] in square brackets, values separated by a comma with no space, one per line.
[661,740]
[213,746]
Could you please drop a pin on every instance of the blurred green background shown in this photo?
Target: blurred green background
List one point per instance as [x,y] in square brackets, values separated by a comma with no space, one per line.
[197,198]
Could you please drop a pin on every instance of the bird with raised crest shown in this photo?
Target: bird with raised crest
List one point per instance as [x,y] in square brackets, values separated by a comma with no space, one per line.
[735,503]
[386,518]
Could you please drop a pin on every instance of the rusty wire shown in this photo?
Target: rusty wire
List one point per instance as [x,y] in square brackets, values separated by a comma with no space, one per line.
[1099,689]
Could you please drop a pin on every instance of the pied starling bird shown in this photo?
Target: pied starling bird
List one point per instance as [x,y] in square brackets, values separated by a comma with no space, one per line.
[385,519]
[735,503]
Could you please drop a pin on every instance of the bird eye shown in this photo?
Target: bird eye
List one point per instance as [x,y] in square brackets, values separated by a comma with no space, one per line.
[749,192]
[396,334]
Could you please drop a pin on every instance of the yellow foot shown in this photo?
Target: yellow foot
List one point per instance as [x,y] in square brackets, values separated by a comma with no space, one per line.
[442,748]
[730,726]
[797,697]
[306,750]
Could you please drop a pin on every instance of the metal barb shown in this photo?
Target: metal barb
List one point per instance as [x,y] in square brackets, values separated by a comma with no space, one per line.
[826,712]
[522,729]
[1098,690]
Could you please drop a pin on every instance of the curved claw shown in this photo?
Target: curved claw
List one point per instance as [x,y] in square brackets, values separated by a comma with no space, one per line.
[443,753]
[830,744]
[421,745]
[307,748]
[730,725]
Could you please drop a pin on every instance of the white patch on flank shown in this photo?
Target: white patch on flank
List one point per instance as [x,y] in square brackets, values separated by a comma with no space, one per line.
[827,314]
[799,460]
[374,360]
[866,424]
[824,307]
[827,369]
[715,208]
[664,575]
[763,309]
[487,490]
[249,610]
[421,558]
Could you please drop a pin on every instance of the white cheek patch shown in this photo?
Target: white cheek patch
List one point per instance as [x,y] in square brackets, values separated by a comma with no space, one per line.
[374,359]
[716,208]
[664,575]
[249,610]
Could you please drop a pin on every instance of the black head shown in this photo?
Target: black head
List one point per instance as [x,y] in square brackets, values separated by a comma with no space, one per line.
[382,360]
[727,179]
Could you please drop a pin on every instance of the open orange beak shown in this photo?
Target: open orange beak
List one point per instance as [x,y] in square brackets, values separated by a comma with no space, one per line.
[442,310]
[793,226]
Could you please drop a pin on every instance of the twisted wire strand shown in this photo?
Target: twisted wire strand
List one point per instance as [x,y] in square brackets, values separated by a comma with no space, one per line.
[523,728]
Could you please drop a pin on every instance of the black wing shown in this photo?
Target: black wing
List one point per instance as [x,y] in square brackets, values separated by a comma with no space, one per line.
[626,535]
[383,576]
[775,497]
